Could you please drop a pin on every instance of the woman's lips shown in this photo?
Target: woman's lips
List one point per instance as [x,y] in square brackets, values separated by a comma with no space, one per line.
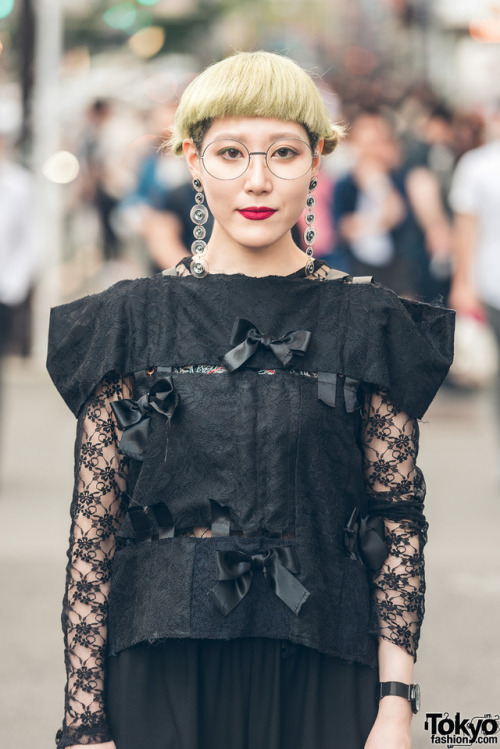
[257,214]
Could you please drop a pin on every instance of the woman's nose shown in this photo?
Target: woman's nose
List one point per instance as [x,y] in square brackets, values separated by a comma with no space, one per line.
[258,174]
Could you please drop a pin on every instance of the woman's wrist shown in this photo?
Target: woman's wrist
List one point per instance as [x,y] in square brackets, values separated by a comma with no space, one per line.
[396,709]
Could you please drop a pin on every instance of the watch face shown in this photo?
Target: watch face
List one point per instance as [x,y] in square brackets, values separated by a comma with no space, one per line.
[415,698]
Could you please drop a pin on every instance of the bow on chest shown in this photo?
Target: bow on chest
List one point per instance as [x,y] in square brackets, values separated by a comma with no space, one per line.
[134,416]
[246,338]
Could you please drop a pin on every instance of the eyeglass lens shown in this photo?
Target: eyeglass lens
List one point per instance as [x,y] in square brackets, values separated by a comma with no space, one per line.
[288,158]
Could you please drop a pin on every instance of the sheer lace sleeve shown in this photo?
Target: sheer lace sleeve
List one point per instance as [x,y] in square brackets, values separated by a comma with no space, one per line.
[97,511]
[396,490]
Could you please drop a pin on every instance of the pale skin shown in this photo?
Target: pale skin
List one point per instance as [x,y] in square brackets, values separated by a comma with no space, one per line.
[260,248]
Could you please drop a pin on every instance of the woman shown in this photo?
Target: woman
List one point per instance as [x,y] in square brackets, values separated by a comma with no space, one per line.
[246,420]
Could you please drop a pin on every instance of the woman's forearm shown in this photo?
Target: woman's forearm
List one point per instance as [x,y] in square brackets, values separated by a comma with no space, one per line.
[394,663]
[391,729]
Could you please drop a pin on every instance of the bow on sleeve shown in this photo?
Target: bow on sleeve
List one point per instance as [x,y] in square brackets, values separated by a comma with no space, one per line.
[235,571]
[246,338]
[134,416]
[364,538]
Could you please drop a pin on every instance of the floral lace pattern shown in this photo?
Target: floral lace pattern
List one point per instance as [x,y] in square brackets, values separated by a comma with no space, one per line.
[98,507]
[396,489]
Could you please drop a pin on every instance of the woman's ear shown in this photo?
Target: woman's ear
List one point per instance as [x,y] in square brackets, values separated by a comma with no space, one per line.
[191,155]
[317,156]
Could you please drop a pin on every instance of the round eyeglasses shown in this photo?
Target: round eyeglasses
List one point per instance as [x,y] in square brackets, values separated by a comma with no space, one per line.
[288,158]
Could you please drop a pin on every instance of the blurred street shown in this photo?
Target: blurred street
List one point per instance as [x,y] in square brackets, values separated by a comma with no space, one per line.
[459,657]
[90,194]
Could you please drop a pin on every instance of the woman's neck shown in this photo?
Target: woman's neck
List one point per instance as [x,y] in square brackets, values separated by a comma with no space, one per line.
[279,259]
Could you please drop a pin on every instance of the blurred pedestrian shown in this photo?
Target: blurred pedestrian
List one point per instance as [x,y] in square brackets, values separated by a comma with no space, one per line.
[475,198]
[17,242]
[107,151]
[95,174]
[370,208]
[428,167]
[155,207]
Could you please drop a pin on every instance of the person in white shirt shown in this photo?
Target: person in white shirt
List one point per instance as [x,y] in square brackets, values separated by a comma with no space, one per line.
[475,199]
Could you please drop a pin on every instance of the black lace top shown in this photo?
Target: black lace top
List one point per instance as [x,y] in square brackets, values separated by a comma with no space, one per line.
[396,491]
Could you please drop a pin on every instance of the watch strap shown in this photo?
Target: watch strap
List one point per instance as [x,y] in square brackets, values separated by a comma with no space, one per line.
[410,692]
[395,688]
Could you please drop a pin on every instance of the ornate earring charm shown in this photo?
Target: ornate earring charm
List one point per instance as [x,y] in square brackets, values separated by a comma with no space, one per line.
[199,216]
[310,232]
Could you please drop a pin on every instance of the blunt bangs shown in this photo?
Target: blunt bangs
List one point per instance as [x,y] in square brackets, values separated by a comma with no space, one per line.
[253,84]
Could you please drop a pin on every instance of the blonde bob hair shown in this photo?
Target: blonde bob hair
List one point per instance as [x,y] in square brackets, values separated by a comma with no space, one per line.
[253,84]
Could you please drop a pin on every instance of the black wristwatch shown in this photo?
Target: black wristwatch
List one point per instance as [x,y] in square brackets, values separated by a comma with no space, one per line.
[410,692]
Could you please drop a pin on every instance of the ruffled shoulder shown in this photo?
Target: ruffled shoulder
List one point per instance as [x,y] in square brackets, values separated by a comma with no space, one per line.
[403,345]
[93,336]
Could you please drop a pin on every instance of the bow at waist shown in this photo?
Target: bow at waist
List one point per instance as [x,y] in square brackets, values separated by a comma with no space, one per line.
[235,570]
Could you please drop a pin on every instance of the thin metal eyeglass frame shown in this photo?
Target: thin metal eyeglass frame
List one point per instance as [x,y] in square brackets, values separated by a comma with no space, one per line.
[314,154]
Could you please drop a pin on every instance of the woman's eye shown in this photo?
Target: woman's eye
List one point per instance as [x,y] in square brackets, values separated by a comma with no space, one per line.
[230,153]
[285,153]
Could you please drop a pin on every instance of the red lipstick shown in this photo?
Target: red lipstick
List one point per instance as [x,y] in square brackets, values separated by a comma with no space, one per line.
[255,213]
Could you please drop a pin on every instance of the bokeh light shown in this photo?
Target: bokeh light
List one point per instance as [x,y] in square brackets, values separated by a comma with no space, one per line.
[61,167]
[148,2]
[6,7]
[121,16]
[147,42]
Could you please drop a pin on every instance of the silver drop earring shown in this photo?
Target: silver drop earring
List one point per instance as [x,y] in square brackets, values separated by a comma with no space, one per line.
[199,216]
[310,231]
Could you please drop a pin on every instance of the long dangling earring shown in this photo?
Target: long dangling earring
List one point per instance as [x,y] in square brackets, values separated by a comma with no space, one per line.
[310,232]
[199,216]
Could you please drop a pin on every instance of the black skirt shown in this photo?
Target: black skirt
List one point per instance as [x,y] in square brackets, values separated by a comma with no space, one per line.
[251,693]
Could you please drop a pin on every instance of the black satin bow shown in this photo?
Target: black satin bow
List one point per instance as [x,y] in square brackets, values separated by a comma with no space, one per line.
[235,570]
[134,416]
[246,338]
[364,537]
